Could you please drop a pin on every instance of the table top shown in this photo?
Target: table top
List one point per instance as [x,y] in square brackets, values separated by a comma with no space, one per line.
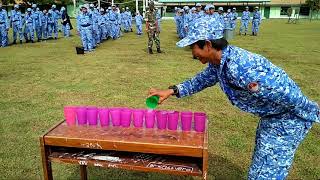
[128,139]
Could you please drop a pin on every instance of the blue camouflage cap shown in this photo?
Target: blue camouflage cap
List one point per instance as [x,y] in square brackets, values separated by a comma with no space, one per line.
[16,6]
[34,5]
[29,9]
[198,5]
[204,28]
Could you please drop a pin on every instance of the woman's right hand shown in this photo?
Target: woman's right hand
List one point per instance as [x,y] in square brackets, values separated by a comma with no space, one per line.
[163,94]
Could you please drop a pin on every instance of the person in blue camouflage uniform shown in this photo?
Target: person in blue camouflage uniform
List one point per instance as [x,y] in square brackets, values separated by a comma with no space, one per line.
[4,27]
[102,25]
[50,23]
[65,22]
[158,17]
[113,17]
[176,14]
[138,19]
[234,18]
[95,28]
[255,85]
[180,24]
[30,25]
[199,12]
[245,18]
[206,11]
[124,21]
[220,19]
[129,18]
[44,23]
[54,26]
[228,17]
[36,15]
[16,24]
[213,14]
[256,21]
[84,28]
[108,22]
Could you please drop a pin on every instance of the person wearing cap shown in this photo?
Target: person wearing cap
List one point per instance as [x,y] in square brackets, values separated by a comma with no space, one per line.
[152,28]
[66,23]
[206,11]
[44,23]
[255,85]
[187,18]
[129,18]
[212,14]
[139,19]
[84,28]
[36,14]
[221,17]
[234,18]
[228,17]
[108,22]
[16,24]
[30,25]
[54,26]
[176,16]
[199,12]
[158,17]
[245,18]
[4,27]
[102,25]
[95,30]
[113,17]
[180,23]
[256,20]
[50,24]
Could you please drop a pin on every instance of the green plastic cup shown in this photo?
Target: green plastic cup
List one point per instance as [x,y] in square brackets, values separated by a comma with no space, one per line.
[152,102]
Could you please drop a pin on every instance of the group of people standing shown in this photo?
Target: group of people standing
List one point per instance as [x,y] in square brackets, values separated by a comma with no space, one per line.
[185,17]
[44,24]
[95,25]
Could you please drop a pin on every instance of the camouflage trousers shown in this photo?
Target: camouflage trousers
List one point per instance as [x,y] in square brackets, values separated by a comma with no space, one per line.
[153,36]
[277,139]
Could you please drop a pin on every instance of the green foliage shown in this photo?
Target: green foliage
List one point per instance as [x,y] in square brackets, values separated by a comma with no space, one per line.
[314,4]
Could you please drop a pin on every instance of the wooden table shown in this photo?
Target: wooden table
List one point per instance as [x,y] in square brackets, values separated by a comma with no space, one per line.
[141,149]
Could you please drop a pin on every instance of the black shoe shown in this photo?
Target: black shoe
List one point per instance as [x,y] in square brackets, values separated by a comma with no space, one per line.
[150,51]
[158,50]
[14,42]
[20,41]
[55,38]
[32,41]
[27,41]
[131,30]
[252,33]
[245,34]
[39,40]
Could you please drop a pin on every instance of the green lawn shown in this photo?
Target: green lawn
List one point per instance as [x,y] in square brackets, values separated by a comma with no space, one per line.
[37,80]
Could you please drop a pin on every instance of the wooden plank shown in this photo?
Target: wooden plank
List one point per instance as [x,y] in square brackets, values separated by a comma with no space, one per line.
[53,127]
[46,164]
[83,172]
[131,161]
[128,139]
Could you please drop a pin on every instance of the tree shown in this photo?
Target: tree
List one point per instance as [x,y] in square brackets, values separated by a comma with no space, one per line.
[314,6]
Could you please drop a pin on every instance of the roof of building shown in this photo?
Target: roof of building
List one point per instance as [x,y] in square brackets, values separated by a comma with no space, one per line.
[216,1]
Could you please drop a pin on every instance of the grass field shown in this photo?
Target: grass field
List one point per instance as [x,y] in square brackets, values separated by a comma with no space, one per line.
[37,80]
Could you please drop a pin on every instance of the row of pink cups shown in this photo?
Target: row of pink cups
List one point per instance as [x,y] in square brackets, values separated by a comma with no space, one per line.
[93,116]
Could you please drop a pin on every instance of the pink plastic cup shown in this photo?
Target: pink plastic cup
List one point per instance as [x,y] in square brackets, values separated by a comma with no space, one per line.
[126,117]
[104,116]
[115,116]
[162,119]
[173,118]
[70,115]
[138,116]
[92,116]
[150,118]
[200,121]
[81,115]
[186,121]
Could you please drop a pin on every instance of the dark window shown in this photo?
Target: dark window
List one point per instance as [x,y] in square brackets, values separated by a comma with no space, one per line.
[284,10]
[304,11]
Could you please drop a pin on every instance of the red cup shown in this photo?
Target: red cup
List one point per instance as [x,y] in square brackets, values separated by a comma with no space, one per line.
[138,116]
[115,116]
[126,117]
[186,121]
[104,116]
[200,121]
[150,118]
[70,115]
[162,119]
[173,118]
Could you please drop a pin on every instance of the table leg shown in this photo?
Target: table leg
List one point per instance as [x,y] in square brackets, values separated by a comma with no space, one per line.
[46,164]
[205,165]
[83,172]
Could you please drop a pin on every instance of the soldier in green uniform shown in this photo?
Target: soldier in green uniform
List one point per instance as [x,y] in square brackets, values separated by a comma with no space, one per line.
[152,28]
